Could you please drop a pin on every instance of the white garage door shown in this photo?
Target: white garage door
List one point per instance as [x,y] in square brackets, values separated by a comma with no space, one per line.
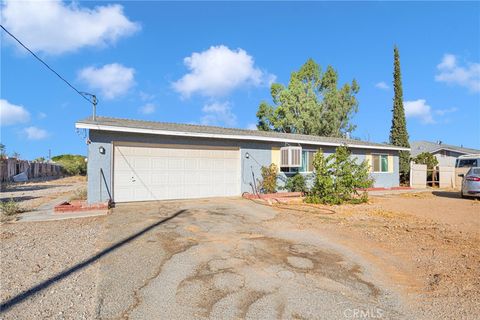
[143,173]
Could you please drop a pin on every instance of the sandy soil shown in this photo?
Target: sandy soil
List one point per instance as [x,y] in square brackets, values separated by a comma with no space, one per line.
[32,195]
[35,269]
[427,244]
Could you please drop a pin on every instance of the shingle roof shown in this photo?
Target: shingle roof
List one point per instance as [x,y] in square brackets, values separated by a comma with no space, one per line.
[103,123]
[418,147]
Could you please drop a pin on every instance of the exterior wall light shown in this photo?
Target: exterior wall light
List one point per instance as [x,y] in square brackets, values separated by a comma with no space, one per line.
[101,150]
[247,155]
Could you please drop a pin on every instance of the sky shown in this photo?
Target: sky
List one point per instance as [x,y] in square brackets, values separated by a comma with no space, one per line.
[212,63]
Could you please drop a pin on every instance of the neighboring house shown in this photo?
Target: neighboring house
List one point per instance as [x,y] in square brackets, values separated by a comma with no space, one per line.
[446,154]
[131,160]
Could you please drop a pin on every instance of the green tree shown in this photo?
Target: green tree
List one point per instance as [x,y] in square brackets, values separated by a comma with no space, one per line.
[269,179]
[338,178]
[72,164]
[310,104]
[398,131]
[296,183]
[426,158]
[39,159]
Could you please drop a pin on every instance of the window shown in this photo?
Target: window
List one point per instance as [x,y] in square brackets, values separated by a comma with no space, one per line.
[307,161]
[380,163]
[466,163]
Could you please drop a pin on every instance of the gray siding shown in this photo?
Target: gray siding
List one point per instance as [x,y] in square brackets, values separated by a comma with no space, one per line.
[381,180]
[100,185]
[99,188]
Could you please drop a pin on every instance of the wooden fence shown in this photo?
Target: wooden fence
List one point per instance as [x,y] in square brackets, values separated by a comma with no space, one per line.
[11,167]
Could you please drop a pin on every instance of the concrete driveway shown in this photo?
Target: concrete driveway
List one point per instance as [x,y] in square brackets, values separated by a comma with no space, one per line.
[231,259]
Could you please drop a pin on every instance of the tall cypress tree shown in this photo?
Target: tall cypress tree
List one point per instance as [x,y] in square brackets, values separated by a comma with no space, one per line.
[398,132]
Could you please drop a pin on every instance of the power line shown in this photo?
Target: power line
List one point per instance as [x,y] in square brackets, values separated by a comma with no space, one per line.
[82,94]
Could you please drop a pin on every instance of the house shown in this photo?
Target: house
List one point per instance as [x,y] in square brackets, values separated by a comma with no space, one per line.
[131,160]
[446,154]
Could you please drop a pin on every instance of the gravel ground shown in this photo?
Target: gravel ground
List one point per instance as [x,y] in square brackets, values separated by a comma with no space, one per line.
[35,253]
[32,195]
[426,243]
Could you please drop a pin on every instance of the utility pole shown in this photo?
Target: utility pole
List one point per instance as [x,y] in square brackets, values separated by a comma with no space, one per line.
[94,102]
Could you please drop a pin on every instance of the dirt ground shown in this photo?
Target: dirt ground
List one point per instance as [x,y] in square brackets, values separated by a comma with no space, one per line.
[427,243]
[402,256]
[32,195]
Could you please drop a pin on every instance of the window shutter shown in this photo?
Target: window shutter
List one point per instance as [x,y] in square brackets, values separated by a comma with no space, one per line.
[368,157]
[390,163]
[276,158]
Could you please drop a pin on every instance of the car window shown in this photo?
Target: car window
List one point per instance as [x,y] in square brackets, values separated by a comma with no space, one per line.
[475,171]
[466,163]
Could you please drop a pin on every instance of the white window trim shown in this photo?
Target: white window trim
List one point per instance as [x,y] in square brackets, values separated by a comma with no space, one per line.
[380,154]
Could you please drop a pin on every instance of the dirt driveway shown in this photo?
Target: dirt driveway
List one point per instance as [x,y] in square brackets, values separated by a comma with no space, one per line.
[233,258]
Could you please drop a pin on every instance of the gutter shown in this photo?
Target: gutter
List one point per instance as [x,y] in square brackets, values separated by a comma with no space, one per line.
[100,127]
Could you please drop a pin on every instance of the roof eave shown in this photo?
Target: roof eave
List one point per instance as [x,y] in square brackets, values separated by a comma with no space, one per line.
[101,127]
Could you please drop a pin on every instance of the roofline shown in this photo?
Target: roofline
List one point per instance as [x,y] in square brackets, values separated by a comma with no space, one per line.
[83,125]
[450,149]
[470,155]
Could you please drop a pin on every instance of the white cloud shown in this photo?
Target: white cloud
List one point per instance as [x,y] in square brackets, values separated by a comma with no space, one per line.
[442,112]
[34,133]
[12,114]
[42,115]
[56,27]
[252,126]
[382,85]
[112,80]
[148,108]
[450,72]
[419,109]
[218,70]
[146,96]
[219,114]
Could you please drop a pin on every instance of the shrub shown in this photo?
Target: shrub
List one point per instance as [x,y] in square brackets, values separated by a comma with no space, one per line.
[79,194]
[11,207]
[338,177]
[296,183]
[269,179]
[72,165]
[426,158]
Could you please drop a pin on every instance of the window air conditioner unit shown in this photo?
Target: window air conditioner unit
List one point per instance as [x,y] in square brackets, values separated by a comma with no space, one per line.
[291,157]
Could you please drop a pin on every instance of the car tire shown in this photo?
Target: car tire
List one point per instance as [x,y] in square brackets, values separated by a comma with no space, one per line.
[462,195]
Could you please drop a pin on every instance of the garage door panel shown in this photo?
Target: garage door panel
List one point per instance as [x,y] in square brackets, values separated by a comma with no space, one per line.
[159,163]
[143,173]
[190,164]
[161,178]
